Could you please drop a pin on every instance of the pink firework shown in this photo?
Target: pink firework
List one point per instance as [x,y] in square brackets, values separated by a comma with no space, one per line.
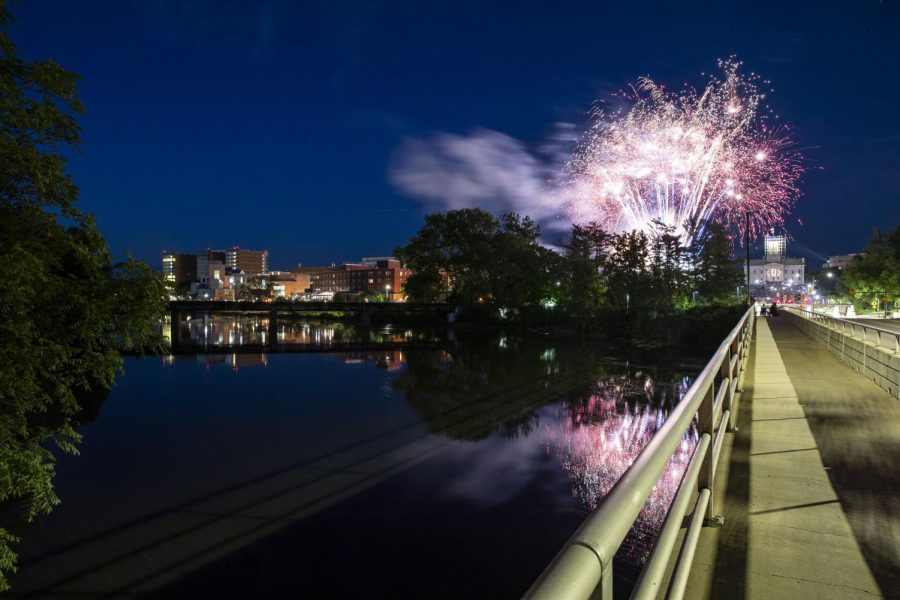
[684,159]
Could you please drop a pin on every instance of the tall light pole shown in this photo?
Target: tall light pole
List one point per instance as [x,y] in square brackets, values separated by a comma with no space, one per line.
[387,292]
[747,244]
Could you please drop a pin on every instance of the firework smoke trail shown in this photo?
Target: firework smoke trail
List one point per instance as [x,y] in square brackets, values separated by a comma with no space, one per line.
[684,159]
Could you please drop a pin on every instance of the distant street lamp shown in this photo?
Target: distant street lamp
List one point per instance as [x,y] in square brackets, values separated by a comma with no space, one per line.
[387,292]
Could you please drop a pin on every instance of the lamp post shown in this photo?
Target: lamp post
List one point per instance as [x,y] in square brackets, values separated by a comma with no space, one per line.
[387,292]
[747,244]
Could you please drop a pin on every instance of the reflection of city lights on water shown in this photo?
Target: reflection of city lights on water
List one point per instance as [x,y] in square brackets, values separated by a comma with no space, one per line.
[599,437]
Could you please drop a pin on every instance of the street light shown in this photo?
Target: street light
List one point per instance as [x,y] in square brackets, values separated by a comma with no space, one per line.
[747,244]
[387,292]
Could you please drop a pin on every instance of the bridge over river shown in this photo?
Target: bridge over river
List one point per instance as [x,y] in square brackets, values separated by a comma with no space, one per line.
[180,308]
[793,490]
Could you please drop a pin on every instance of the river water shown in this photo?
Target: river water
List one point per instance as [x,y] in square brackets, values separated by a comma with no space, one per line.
[449,467]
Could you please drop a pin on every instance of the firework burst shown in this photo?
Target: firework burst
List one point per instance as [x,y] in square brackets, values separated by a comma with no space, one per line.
[685,159]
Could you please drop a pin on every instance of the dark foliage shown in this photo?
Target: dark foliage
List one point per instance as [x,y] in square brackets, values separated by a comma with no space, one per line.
[66,309]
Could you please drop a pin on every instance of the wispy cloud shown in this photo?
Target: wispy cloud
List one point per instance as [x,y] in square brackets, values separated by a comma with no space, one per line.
[485,169]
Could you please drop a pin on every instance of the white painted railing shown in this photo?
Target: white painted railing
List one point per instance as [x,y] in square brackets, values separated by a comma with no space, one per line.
[583,568]
[880,337]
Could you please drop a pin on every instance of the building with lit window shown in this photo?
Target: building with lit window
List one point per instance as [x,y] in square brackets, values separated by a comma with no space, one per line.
[842,261]
[287,284]
[776,275]
[209,257]
[179,269]
[381,275]
[252,262]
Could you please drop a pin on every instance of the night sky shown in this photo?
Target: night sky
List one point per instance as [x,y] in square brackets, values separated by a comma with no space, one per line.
[274,124]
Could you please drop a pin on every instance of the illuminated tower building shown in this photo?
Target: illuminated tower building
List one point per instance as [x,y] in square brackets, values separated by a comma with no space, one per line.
[253,262]
[179,268]
[777,275]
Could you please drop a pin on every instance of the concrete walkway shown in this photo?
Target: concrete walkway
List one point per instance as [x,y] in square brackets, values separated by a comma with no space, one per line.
[811,487]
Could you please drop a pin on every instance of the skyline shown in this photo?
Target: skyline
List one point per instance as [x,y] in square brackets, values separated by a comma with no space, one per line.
[275,127]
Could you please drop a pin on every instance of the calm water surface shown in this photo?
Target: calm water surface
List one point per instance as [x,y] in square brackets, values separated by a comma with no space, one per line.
[454,471]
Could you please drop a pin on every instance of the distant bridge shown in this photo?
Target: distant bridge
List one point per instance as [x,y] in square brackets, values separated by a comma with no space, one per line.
[178,308]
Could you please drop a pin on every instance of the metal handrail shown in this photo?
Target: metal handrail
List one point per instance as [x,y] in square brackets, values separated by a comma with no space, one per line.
[842,325]
[583,568]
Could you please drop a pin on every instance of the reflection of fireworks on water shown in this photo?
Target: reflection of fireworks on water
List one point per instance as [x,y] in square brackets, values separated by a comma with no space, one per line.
[684,159]
[601,436]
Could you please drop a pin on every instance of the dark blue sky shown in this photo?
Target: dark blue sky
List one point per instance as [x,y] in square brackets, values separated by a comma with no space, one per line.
[272,124]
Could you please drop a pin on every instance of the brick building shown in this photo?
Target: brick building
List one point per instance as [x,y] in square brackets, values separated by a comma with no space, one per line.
[252,262]
[384,276]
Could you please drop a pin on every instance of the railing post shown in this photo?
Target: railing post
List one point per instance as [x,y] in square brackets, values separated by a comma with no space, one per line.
[604,591]
[705,424]
[725,367]
[727,376]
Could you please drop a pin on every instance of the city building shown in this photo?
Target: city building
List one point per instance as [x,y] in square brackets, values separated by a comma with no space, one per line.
[372,261]
[208,288]
[215,280]
[381,275]
[179,269]
[288,284]
[303,275]
[252,262]
[235,280]
[842,261]
[244,274]
[776,275]
[209,256]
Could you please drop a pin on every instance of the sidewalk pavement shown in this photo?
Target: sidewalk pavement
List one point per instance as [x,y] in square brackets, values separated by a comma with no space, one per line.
[811,486]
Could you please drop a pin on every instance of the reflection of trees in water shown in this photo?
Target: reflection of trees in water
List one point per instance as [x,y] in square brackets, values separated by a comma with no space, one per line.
[602,421]
[598,437]
[28,466]
[479,389]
